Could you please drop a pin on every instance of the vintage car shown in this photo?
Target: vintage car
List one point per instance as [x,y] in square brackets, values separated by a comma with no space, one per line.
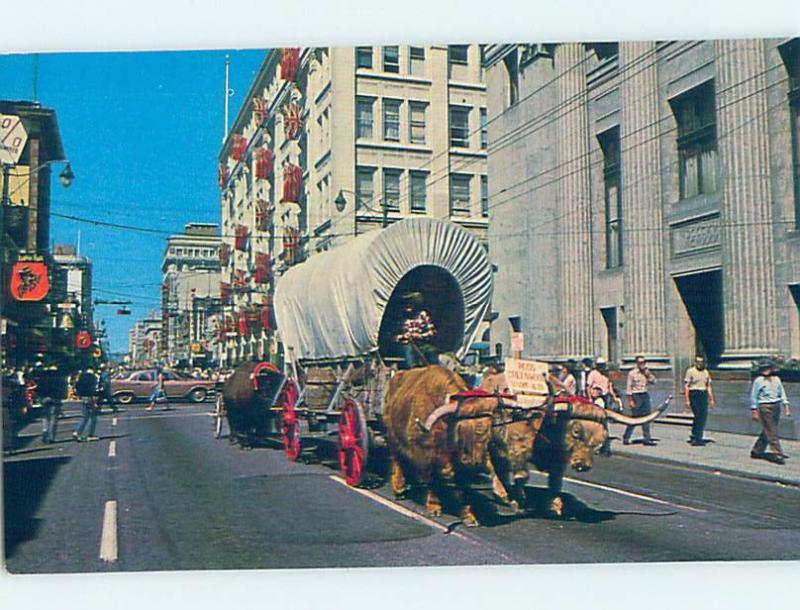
[138,385]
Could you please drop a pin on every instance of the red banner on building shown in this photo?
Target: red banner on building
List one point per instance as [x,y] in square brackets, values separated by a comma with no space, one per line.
[222,174]
[240,279]
[238,147]
[263,268]
[263,163]
[292,182]
[242,233]
[224,255]
[29,281]
[262,215]
[292,120]
[225,293]
[260,106]
[290,62]
[291,245]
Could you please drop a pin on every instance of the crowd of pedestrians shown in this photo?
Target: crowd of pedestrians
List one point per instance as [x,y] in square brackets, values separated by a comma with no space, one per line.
[590,378]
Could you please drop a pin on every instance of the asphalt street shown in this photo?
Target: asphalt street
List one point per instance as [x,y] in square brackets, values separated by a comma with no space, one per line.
[159,492]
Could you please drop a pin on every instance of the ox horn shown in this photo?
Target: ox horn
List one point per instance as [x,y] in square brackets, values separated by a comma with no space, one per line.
[638,421]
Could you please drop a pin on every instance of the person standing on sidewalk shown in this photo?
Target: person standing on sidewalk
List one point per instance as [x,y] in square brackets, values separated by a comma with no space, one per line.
[86,389]
[698,395]
[766,399]
[639,398]
[600,391]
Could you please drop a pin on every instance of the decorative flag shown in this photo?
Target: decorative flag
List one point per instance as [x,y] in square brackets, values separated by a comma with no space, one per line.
[263,163]
[224,255]
[222,174]
[262,215]
[292,120]
[225,293]
[290,62]
[260,106]
[263,268]
[292,182]
[238,147]
[242,233]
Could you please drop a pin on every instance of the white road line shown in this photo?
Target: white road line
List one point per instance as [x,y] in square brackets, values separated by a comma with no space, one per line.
[629,494]
[108,539]
[112,449]
[398,508]
[114,421]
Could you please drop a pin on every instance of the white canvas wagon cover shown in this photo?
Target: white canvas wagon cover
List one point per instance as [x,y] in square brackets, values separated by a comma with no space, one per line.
[332,305]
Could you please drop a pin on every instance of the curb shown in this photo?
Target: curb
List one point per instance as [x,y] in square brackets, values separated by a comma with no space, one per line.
[742,474]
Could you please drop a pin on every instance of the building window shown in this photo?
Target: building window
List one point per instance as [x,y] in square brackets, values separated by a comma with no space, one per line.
[391,189]
[459,53]
[364,57]
[365,191]
[791,57]
[459,127]
[484,130]
[419,191]
[609,143]
[512,79]
[416,124]
[485,196]
[391,59]
[364,118]
[460,200]
[391,120]
[416,61]
[697,140]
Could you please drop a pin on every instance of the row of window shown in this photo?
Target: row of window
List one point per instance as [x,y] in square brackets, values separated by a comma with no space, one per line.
[460,133]
[460,191]
[195,252]
[458,55]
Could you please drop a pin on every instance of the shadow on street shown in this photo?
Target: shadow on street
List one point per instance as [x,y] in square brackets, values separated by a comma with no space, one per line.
[25,484]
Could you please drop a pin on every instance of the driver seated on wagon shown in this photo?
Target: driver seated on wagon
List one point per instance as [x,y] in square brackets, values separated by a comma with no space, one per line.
[417,329]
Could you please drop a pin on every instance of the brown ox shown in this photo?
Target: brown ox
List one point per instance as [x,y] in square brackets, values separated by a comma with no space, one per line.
[248,395]
[487,436]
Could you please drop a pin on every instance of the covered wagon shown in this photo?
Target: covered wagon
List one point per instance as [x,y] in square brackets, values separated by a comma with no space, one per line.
[338,316]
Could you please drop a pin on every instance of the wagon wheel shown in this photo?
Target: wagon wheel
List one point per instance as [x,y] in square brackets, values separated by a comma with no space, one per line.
[219,416]
[353,442]
[290,425]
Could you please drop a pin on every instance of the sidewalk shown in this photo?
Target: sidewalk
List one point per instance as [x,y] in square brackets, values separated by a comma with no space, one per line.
[729,454]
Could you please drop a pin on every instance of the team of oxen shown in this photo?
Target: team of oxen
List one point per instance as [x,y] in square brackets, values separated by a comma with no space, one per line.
[440,433]
[486,431]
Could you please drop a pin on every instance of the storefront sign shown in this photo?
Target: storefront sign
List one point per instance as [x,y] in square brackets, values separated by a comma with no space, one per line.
[83,340]
[13,137]
[29,281]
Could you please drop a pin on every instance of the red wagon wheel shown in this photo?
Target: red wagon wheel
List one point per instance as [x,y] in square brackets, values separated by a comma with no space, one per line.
[290,425]
[353,442]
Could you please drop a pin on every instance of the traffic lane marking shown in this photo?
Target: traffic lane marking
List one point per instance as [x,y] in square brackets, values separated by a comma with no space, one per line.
[108,538]
[112,449]
[623,492]
[114,421]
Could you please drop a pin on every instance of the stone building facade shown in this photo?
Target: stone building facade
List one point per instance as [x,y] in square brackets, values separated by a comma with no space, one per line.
[645,198]
[190,294]
[333,142]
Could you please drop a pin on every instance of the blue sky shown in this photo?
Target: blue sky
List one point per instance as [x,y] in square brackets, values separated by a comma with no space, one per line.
[142,131]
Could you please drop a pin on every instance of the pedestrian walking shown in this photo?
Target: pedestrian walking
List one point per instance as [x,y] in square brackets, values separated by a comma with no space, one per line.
[698,394]
[158,394]
[105,395]
[766,399]
[86,388]
[639,378]
[52,388]
[600,390]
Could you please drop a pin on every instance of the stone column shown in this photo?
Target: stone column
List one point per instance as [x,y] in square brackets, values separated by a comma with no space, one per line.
[748,258]
[574,202]
[642,218]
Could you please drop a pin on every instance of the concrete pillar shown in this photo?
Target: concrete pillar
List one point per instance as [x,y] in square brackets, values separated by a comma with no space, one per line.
[748,257]
[574,202]
[642,223]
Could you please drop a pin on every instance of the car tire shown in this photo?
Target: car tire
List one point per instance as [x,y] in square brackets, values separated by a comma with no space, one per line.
[198,395]
[124,398]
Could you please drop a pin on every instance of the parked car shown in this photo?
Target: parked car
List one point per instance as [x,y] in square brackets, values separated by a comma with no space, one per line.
[138,385]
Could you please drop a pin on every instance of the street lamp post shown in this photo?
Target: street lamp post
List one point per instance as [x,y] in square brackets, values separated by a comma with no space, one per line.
[341,202]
